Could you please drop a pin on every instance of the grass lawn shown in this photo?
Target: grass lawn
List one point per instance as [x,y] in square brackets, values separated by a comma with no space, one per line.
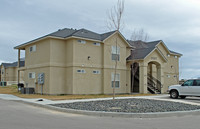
[14,91]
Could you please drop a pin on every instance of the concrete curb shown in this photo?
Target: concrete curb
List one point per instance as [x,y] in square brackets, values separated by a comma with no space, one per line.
[114,114]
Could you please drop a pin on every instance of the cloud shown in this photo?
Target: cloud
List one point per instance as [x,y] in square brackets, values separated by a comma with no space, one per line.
[176,22]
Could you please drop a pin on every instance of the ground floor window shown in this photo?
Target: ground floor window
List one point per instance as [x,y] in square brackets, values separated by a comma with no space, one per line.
[117,80]
[31,75]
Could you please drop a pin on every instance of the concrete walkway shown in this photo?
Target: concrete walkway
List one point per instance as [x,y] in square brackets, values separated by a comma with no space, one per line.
[163,97]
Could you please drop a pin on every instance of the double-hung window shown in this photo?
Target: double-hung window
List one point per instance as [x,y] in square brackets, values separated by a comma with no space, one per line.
[115,53]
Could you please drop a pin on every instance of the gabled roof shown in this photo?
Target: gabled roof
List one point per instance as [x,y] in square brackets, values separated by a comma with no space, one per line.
[6,65]
[14,64]
[176,53]
[143,49]
[66,33]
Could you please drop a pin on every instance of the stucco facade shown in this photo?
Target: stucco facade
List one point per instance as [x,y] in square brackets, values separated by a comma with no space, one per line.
[61,59]
[81,62]
[9,73]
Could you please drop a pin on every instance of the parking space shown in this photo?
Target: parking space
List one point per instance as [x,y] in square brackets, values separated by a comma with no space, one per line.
[165,97]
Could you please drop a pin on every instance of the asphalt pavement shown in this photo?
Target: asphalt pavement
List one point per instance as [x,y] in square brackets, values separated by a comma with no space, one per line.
[15,115]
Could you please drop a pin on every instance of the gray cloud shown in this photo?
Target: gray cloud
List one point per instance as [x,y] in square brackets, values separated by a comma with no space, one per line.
[176,22]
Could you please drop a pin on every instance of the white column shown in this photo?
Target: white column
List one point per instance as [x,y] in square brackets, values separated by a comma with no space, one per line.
[160,76]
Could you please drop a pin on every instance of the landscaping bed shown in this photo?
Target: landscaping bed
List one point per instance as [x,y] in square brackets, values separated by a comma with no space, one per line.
[129,106]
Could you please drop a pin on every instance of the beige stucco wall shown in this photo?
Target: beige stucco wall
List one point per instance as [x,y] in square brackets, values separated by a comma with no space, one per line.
[40,57]
[9,75]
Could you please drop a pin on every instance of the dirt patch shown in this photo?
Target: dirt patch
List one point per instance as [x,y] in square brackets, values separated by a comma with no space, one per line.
[14,91]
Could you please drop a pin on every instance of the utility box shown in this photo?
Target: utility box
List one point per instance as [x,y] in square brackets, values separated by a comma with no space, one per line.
[27,91]
[20,86]
[41,78]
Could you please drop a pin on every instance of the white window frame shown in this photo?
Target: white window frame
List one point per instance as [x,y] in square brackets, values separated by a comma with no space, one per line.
[97,44]
[168,76]
[115,52]
[81,71]
[32,48]
[81,41]
[31,75]
[117,80]
[96,72]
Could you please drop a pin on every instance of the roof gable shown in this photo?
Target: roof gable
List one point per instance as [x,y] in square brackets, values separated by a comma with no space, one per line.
[121,36]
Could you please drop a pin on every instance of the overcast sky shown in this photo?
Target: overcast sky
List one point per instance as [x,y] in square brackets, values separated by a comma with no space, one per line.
[176,22]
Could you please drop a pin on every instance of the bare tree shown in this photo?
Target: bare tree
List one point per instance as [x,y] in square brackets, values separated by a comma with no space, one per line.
[115,22]
[139,34]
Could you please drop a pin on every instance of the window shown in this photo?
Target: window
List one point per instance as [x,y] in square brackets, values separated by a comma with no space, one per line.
[117,80]
[32,48]
[198,82]
[31,75]
[168,55]
[188,83]
[96,72]
[168,76]
[115,53]
[80,71]
[82,41]
[97,44]
[175,56]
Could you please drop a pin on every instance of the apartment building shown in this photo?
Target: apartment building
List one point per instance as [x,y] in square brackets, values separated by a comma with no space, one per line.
[71,61]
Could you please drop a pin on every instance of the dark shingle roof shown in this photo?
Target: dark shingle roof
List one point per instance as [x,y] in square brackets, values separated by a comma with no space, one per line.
[6,65]
[176,53]
[14,64]
[142,49]
[82,33]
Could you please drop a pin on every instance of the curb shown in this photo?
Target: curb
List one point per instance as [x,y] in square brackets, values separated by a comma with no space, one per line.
[115,114]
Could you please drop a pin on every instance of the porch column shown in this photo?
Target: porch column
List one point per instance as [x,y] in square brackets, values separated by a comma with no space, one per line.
[18,71]
[160,76]
[143,78]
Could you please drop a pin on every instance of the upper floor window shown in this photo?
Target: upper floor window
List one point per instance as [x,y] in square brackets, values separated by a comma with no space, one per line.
[168,55]
[96,72]
[97,44]
[32,48]
[31,75]
[175,56]
[115,53]
[81,41]
[81,71]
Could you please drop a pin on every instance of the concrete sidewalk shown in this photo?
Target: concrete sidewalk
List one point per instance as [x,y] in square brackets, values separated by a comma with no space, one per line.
[163,97]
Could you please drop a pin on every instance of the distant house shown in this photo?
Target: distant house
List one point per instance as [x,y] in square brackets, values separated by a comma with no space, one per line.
[82,62]
[9,73]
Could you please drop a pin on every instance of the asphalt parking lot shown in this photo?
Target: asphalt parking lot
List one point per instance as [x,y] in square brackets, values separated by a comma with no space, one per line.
[191,100]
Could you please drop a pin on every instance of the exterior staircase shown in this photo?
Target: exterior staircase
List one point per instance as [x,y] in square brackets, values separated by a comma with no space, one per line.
[154,85]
